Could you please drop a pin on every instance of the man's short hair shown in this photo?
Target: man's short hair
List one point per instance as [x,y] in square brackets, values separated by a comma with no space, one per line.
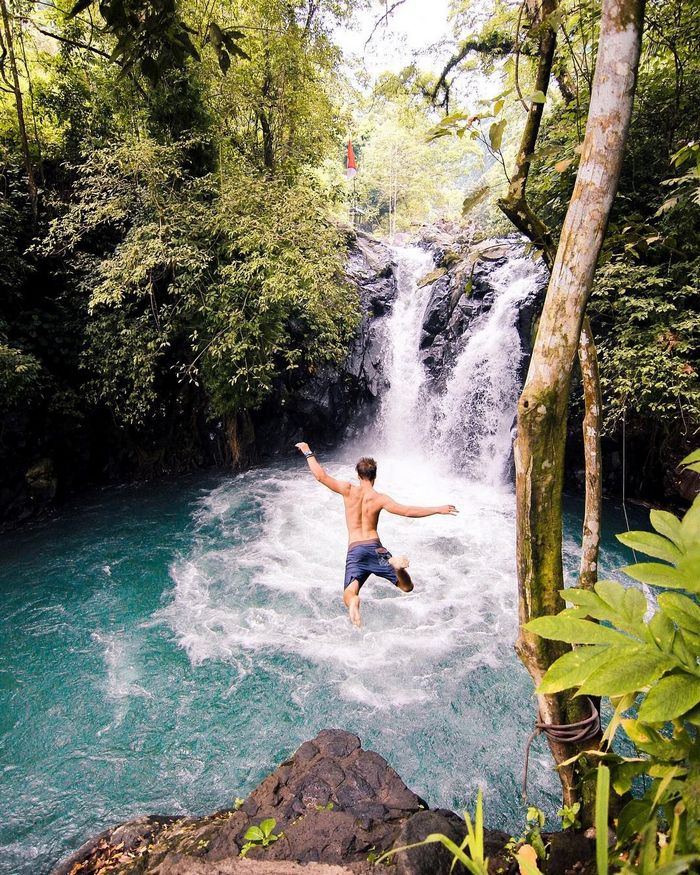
[366,469]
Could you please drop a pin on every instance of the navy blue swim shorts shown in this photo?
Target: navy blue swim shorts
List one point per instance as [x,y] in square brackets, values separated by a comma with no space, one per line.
[365,558]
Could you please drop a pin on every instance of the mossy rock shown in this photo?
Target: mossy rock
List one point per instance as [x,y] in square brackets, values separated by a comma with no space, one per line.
[450,258]
[431,277]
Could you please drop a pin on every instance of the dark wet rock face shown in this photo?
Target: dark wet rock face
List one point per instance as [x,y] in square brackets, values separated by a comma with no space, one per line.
[333,802]
[325,405]
[462,291]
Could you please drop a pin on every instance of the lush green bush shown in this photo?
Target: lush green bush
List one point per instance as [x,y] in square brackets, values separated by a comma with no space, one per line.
[649,336]
[225,280]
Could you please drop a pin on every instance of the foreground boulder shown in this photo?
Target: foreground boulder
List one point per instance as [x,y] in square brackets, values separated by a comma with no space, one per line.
[333,803]
[336,809]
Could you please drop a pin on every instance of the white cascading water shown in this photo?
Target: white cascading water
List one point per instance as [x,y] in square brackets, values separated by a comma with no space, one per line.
[469,422]
[474,416]
[400,417]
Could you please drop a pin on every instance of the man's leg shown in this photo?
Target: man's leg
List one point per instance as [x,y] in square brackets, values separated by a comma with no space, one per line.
[400,564]
[351,598]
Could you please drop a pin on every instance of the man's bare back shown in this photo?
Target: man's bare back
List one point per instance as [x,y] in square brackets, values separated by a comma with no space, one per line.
[363,504]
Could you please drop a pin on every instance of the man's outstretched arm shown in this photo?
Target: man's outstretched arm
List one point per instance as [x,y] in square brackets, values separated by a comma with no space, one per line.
[342,487]
[415,511]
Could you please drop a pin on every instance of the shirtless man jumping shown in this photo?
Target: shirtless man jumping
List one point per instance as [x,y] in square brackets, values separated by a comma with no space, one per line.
[363,504]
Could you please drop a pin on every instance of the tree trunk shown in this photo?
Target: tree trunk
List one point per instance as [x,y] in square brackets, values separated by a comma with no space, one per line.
[590,541]
[542,409]
[515,205]
[19,105]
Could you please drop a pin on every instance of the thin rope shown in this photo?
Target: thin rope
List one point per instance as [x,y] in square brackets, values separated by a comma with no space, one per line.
[563,733]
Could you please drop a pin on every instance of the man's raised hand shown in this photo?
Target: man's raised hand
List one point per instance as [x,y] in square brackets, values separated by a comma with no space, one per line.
[449,509]
[303,447]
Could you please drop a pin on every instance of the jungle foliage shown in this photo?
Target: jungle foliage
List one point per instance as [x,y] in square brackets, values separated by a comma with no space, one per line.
[175,256]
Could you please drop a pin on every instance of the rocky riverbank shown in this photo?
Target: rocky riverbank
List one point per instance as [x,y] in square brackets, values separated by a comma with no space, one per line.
[336,808]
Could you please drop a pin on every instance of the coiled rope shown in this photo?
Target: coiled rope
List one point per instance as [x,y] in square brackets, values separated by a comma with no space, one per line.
[564,733]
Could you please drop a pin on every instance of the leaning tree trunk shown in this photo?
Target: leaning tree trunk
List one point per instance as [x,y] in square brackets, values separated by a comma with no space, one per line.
[542,409]
[590,542]
[517,208]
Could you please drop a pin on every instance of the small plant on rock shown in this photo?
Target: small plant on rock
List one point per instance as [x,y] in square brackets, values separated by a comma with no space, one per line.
[470,853]
[531,837]
[569,815]
[260,836]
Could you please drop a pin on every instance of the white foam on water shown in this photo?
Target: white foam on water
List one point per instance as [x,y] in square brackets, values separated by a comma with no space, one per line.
[264,574]
[122,673]
[281,591]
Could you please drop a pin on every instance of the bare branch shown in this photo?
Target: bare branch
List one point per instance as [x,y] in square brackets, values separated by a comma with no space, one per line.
[383,19]
[75,43]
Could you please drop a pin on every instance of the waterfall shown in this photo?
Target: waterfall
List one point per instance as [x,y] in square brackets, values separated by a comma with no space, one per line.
[406,374]
[467,421]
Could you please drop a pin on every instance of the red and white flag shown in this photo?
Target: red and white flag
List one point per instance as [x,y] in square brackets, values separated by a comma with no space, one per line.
[351,166]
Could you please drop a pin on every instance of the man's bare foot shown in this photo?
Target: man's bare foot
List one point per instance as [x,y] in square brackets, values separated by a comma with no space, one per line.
[354,609]
[398,562]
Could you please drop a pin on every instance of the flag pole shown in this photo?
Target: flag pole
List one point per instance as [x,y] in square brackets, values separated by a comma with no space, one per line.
[351,173]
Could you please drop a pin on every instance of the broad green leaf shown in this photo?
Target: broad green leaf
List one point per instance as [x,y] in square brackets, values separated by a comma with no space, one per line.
[594,605]
[682,610]
[635,605]
[572,669]
[652,742]
[268,825]
[581,613]
[668,525]
[663,770]
[691,457]
[690,525]
[692,639]
[254,834]
[612,593]
[630,671]
[686,657]
[662,631]
[671,697]
[657,574]
[652,545]
[537,97]
[625,773]
[575,631]
[496,134]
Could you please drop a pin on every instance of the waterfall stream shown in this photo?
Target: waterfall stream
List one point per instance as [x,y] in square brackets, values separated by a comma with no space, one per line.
[469,422]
